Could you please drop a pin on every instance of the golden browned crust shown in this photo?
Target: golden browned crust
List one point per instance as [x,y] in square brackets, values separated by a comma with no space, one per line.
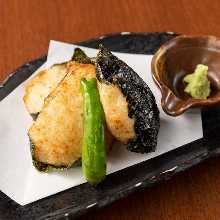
[116,112]
[57,132]
[38,88]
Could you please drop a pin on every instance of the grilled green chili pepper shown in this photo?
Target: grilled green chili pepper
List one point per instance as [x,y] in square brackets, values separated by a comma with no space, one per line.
[93,146]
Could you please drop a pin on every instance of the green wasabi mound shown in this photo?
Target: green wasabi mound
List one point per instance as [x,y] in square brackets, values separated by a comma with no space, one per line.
[198,85]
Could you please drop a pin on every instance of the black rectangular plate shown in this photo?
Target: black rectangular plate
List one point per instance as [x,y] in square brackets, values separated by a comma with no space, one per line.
[79,200]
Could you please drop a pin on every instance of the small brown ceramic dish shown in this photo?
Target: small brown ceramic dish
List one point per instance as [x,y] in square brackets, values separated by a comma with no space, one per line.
[179,57]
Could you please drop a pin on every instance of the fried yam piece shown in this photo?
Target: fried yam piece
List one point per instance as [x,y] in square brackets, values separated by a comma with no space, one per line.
[116,112]
[57,133]
[130,107]
[38,88]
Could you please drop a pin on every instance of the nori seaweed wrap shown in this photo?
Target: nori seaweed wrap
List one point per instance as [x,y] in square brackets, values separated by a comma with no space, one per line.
[141,104]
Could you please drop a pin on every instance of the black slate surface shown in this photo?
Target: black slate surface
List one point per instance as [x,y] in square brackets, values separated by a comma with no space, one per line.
[81,199]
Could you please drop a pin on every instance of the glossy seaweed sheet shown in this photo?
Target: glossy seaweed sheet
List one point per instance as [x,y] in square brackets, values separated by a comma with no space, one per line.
[142,105]
[81,199]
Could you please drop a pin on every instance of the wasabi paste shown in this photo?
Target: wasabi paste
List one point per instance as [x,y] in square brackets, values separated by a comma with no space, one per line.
[198,85]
